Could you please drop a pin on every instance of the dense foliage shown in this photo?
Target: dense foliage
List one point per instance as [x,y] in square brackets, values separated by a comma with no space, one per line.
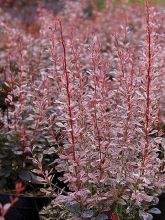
[83,93]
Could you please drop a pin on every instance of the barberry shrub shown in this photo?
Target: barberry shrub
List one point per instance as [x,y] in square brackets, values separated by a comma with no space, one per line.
[89,87]
[109,109]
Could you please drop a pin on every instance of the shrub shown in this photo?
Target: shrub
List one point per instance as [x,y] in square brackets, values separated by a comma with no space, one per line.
[109,158]
[89,88]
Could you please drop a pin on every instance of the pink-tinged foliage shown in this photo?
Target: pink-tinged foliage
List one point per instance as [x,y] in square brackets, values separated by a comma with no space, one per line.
[109,155]
[97,82]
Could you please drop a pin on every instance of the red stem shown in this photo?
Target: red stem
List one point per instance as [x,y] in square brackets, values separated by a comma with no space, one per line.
[68,96]
[148,83]
[95,116]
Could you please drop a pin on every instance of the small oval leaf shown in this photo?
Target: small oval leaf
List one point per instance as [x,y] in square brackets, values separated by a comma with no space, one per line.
[154,211]
[145,216]
[155,201]
[102,217]
[73,207]
[88,214]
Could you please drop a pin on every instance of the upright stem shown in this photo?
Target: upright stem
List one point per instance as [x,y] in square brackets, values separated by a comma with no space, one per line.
[68,96]
[148,81]
[96,117]
[129,86]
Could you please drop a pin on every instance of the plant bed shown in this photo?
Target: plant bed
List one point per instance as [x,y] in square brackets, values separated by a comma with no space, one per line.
[51,212]
[89,108]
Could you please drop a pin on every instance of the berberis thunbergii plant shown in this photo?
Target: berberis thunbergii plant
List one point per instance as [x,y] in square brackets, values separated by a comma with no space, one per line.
[86,90]
[110,157]
[29,136]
